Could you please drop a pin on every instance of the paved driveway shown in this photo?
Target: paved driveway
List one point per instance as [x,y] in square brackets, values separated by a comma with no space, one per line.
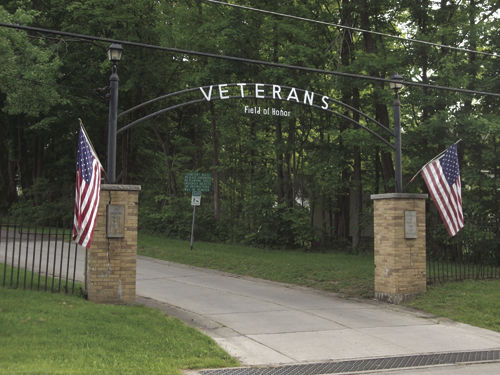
[264,323]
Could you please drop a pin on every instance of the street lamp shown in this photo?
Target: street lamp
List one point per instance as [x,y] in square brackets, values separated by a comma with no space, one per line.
[114,55]
[115,51]
[396,84]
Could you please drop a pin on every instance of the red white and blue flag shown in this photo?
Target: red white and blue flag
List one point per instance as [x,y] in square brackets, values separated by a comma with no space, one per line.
[442,177]
[88,186]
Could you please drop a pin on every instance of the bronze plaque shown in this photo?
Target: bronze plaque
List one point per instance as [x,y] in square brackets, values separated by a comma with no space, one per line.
[115,223]
[410,224]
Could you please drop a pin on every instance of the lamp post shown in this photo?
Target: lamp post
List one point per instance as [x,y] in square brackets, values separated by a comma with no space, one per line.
[114,55]
[396,85]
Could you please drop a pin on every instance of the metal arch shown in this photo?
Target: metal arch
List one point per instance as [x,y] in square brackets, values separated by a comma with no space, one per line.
[249,96]
[341,104]
[169,95]
[195,101]
[157,99]
[157,113]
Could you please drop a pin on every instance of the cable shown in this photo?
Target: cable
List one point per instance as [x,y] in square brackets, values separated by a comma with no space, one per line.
[351,28]
[245,60]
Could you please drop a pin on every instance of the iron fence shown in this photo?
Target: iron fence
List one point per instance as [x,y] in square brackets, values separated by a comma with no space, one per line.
[474,253]
[38,258]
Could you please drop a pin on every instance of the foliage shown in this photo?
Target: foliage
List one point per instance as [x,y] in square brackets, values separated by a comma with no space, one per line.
[296,182]
[29,69]
[39,204]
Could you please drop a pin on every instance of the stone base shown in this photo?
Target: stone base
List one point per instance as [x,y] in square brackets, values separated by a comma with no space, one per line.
[112,258]
[395,299]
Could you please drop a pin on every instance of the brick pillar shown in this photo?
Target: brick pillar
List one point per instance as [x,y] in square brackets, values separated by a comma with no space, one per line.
[399,235]
[111,261]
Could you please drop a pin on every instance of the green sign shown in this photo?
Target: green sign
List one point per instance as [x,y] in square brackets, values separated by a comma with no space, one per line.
[197,182]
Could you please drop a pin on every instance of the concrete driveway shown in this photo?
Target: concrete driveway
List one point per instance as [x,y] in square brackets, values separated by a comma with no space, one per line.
[264,323]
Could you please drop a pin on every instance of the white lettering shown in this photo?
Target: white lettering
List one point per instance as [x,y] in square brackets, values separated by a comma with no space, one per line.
[209,93]
[223,91]
[276,92]
[259,91]
[308,97]
[325,102]
[252,110]
[241,87]
[280,112]
[293,95]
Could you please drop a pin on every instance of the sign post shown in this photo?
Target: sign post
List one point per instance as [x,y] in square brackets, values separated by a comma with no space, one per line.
[196,183]
[195,201]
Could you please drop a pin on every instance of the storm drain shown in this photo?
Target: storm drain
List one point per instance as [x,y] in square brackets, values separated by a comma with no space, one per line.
[364,364]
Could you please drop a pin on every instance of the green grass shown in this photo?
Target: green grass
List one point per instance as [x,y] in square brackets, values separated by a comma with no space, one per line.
[53,333]
[19,278]
[347,274]
[473,302]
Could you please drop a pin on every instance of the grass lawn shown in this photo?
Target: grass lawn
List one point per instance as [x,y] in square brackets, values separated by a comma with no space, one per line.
[472,302]
[350,275]
[52,333]
[15,277]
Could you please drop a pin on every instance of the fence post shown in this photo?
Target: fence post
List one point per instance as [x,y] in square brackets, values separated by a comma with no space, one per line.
[112,258]
[399,248]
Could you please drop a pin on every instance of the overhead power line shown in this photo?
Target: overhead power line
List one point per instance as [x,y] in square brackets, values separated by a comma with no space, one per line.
[352,28]
[242,59]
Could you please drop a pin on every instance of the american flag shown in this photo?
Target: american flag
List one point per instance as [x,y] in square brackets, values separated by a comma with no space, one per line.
[88,186]
[442,177]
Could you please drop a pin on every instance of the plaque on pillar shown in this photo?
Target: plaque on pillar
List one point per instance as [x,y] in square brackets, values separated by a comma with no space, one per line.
[115,221]
[410,224]
[399,246]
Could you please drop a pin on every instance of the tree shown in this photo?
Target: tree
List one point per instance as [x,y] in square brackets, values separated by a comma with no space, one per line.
[28,87]
[299,181]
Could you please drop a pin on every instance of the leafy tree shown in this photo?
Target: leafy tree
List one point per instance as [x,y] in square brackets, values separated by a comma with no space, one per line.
[28,88]
[298,181]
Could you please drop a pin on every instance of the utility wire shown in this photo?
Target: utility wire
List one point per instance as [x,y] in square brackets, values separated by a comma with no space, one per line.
[352,28]
[245,60]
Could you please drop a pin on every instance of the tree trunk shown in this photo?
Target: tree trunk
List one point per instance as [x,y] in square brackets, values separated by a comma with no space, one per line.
[356,192]
[289,176]
[280,191]
[342,222]
[171,182]
[215,162]
[381,112]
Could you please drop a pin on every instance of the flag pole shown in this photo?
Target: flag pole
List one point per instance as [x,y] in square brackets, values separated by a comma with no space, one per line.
[430,161]
[90,142]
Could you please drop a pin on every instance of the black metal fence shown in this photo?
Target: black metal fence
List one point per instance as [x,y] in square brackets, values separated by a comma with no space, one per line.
[474,253]
[38,258]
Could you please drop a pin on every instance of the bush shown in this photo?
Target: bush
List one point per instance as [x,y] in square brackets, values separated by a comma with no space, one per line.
[43,204]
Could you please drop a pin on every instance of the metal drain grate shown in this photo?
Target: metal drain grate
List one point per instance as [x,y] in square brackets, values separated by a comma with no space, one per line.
[364,364]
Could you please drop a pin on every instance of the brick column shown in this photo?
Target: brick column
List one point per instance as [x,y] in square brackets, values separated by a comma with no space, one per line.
[111,261]
[400,252]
